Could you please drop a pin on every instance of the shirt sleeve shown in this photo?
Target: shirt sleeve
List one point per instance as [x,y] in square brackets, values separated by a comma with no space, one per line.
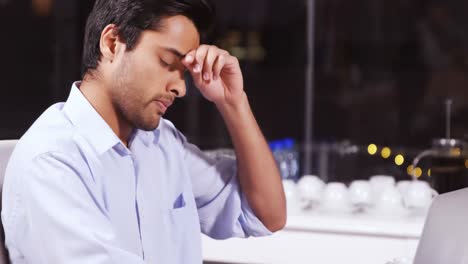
[64,222]
[223,210]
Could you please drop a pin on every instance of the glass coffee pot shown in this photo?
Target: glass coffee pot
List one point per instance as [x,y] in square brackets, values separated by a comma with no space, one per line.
[449,161]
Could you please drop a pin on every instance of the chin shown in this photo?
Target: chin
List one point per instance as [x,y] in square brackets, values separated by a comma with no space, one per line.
[150,126]
[148,122]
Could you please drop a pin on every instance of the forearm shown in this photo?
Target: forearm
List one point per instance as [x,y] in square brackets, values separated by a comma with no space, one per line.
[258,174]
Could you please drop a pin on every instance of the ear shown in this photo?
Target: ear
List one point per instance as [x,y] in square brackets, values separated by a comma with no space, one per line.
[110,43]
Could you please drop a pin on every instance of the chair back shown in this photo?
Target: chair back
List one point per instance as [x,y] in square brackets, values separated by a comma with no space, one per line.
[6,148]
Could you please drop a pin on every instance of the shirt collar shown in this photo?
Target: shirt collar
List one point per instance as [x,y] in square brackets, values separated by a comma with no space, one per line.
[148,137]
[93,127]
[88,121]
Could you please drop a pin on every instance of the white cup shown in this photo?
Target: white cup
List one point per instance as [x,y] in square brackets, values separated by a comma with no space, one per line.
[390,201]
[310,188]
[403,186]
[293,202]
[419,195]
[360,192]
[336,197]
[380,183]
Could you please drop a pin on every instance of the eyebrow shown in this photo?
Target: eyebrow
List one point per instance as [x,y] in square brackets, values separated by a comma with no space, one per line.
[175,52]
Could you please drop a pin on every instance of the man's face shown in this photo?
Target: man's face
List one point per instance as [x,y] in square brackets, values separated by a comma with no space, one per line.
[146,80]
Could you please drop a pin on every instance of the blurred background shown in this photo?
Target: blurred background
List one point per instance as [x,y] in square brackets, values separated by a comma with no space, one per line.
[360,86]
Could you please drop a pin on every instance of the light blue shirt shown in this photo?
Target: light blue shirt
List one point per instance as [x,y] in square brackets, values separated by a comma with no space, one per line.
[73,193]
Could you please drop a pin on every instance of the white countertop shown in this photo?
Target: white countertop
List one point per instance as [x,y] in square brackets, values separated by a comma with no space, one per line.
[408,226]
[314,237]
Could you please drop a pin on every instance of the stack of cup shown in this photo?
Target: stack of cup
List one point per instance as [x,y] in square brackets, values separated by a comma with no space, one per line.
[310,189]
[380,195]
[417,195]
[293,201]
[336,199]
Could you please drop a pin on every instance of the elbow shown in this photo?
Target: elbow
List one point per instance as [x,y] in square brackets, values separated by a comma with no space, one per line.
[277,222]
[277,225]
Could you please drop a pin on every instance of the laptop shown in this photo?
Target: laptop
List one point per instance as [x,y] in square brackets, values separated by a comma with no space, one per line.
[445,235]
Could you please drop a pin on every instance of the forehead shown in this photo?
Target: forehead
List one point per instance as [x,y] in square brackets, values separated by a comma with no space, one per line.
[176,32]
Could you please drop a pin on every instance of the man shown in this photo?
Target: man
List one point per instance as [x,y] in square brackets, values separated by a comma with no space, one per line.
[103,178]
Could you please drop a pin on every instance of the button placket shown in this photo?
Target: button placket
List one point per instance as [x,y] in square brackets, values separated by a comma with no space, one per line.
[138,205]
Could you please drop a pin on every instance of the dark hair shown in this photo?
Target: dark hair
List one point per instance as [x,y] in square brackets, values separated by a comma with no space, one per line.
[133,16]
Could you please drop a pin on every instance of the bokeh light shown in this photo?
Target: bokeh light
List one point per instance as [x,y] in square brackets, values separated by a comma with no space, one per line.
[399,159]
[372,149]
[386,152]
[417,172]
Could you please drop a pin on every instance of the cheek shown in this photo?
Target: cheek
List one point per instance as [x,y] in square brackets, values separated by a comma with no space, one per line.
[144,78]
[152,108]
[149,69]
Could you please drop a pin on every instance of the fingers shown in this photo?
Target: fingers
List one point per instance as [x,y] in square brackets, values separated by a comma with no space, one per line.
[206,62]
[200,56]
[211,56]
[189,58]
[218,66]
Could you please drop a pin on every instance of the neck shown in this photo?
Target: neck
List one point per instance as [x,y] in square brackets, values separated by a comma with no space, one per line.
[98,95]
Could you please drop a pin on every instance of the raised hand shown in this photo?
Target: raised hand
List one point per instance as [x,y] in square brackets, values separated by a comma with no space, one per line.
[217,74]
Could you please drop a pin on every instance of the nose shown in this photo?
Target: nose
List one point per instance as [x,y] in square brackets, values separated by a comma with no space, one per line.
[177,86]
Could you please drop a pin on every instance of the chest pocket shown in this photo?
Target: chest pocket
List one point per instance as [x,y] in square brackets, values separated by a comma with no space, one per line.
[183,219]
[182,211]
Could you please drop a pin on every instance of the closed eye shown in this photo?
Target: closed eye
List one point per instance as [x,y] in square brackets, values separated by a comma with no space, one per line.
[169,66]
[163,63]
